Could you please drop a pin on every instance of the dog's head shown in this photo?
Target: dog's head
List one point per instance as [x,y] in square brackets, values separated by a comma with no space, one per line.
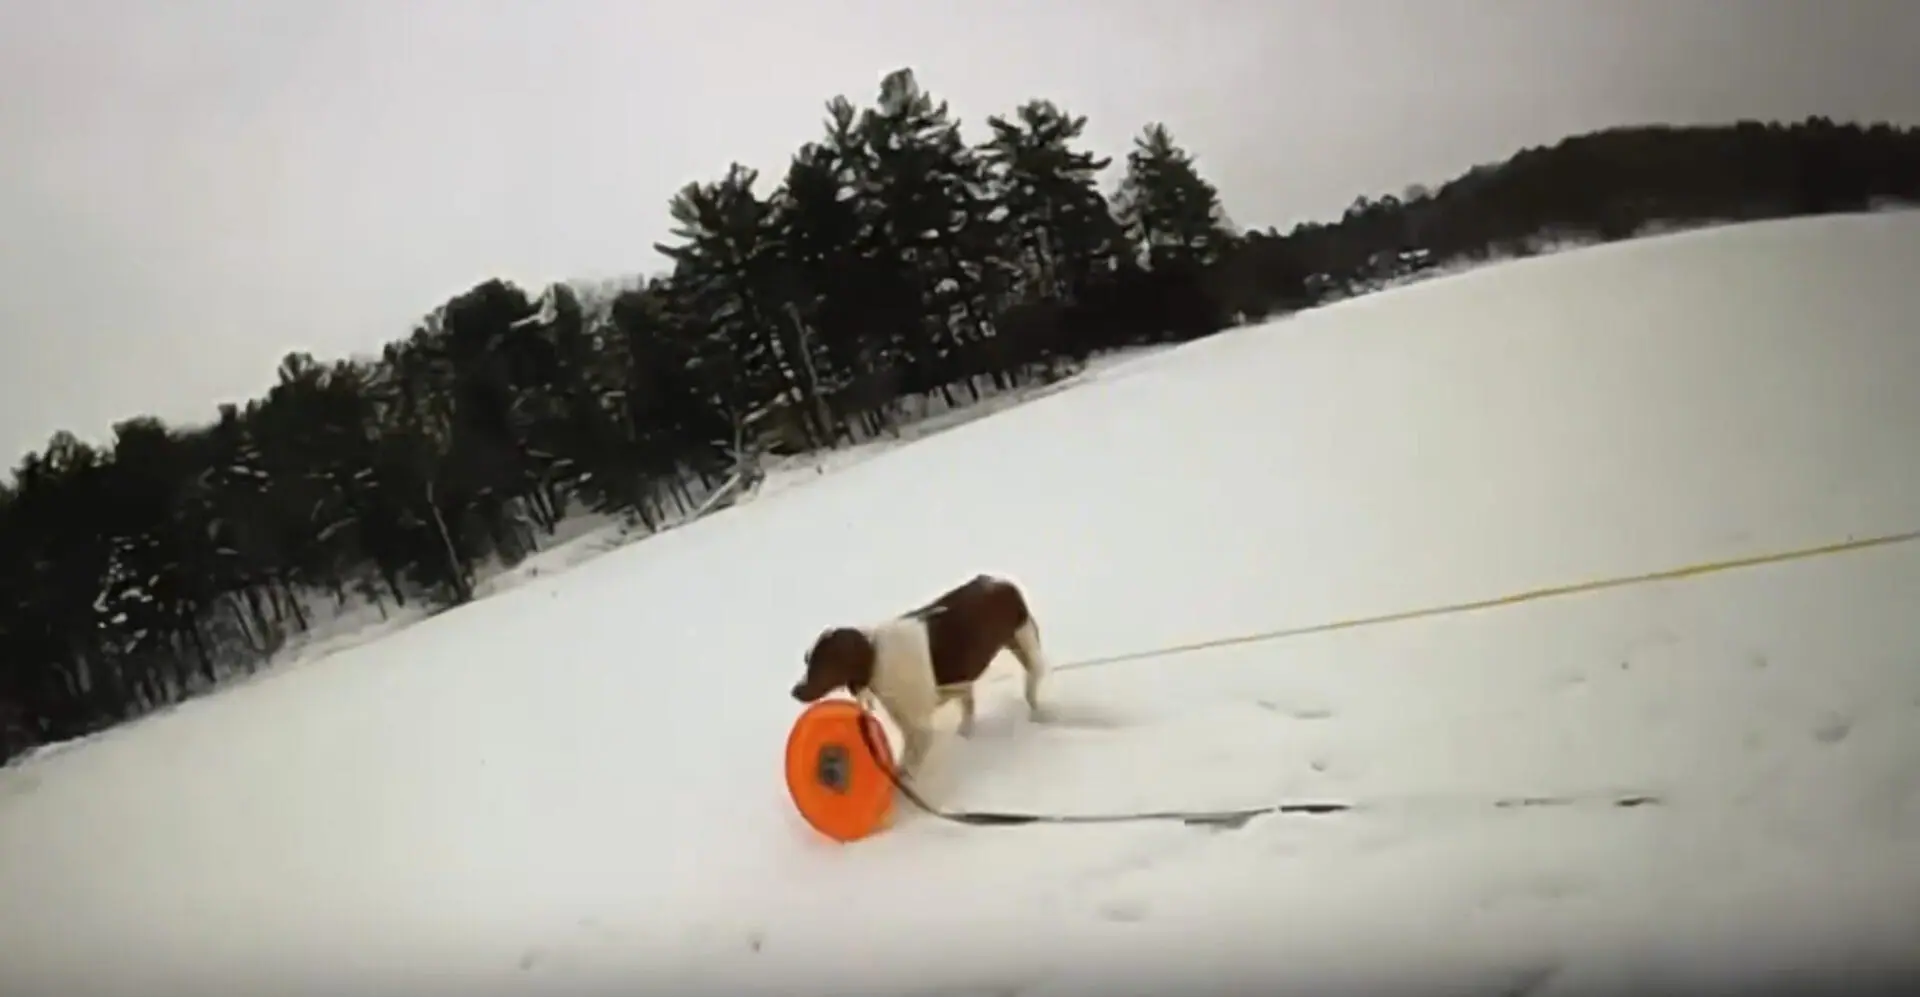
[841,657]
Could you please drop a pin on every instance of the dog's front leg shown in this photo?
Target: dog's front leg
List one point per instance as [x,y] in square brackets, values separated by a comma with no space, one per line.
[914,750]
[965,696]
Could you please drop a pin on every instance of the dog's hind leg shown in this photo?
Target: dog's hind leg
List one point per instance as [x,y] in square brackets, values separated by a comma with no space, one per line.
[964,696]
[1026,648]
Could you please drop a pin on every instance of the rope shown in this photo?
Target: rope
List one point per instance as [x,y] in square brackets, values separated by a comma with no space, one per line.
[1533,595]
[991,818]
[1216,819]
[1232,818]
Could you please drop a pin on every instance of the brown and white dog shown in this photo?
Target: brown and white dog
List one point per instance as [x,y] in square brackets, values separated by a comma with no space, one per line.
[919,661]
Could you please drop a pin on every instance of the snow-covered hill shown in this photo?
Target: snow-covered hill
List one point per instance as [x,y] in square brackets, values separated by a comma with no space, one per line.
[574,786]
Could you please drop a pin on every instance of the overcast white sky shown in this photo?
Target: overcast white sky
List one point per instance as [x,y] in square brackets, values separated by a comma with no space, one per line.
[191,189]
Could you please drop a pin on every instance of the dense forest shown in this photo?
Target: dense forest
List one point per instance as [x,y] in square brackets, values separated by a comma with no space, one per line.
[895,261]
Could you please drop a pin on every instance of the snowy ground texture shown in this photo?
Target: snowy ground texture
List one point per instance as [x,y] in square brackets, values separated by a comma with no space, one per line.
[573,787]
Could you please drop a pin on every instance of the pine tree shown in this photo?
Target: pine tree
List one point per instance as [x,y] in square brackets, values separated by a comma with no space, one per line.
[727,271]
[837,298]
[856,301]
[927,194]
[1168,208]
[1063,227]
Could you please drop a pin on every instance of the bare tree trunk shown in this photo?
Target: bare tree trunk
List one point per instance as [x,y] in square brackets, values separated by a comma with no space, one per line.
[457,574]
[817,407]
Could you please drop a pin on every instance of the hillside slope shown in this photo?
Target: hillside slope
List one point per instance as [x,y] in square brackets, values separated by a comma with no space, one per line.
[573,787]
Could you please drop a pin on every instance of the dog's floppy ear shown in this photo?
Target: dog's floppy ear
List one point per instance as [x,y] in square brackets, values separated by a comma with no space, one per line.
[818,639]
[841,656]
[818,660]
[824,668]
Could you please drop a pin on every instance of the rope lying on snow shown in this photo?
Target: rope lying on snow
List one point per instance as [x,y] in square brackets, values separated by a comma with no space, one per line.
[1237,817]
[991,818]
[1217,819]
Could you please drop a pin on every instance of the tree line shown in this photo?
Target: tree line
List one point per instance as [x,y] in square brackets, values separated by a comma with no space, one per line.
[894,260]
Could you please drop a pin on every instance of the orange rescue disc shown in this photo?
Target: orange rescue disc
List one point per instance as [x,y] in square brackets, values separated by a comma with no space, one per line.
[833,776]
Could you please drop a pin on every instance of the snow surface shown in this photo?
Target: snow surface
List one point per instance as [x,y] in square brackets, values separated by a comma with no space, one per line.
[573,786]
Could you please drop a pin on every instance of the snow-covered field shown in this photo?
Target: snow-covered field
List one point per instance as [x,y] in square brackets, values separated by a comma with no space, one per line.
[574,787]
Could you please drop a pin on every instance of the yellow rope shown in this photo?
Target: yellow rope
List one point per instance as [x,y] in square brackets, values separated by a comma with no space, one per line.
[1670,574]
